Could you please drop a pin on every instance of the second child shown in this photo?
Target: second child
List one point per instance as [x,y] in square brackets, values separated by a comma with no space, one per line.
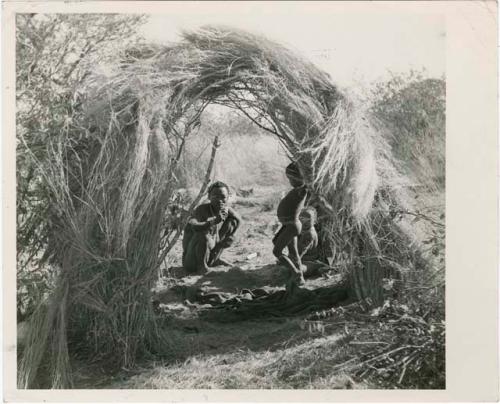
[289,210]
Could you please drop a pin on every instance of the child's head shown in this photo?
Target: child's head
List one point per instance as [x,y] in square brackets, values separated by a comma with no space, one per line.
[218,193]
[308,217]
[293,174]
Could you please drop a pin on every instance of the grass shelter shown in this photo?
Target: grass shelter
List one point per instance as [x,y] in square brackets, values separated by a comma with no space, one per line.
[112,176]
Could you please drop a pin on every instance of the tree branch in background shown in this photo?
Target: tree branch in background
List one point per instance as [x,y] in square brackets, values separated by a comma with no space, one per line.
[239,108]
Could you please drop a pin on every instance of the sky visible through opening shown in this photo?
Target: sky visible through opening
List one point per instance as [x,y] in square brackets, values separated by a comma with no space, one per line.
[355,49]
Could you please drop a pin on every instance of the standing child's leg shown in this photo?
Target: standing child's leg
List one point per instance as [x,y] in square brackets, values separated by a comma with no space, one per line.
[293,253]
[299,268]
[287,237]
[283,238]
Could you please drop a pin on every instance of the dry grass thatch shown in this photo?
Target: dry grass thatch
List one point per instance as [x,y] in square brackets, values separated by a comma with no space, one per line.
[111,179]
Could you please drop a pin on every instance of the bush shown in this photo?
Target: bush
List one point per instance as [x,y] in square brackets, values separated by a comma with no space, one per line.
[53,55]
[413,109]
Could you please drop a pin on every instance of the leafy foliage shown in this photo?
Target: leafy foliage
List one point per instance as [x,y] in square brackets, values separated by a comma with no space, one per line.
[413,109]
[53,55]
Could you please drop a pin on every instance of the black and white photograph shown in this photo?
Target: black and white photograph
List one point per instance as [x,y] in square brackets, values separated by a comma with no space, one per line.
[231,196]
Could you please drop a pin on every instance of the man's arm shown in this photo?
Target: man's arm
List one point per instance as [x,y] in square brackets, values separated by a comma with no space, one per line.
[232,213]
[200,219]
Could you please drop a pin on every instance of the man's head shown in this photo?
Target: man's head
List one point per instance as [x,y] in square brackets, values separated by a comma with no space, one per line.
[293,174]
[218,193]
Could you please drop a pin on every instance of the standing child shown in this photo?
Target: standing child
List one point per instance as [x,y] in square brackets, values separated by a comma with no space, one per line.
[289,209]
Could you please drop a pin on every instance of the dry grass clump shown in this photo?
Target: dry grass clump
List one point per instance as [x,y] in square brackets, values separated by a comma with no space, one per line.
[111,177]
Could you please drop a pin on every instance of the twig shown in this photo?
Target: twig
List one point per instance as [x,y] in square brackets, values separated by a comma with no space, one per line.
[420,216]
[367,342]
[406,363]
[238,107]
[215,146]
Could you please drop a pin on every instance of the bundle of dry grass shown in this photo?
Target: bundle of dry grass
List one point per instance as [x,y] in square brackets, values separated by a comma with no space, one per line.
[112,176]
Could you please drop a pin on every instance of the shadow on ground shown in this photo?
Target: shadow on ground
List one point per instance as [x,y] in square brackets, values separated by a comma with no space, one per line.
[231,309]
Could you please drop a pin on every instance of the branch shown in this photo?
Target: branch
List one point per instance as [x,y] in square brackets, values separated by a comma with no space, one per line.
[274,132]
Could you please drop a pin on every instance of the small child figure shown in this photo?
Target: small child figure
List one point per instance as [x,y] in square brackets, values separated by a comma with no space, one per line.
[308,238]
[209,231]
[289,209]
